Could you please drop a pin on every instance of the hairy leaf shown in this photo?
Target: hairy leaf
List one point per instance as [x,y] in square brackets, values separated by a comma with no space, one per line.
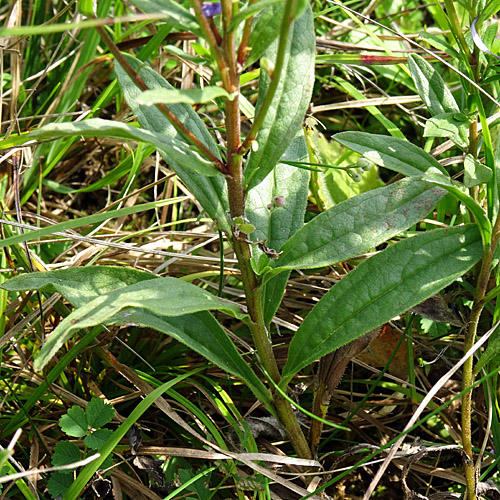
[391,152]
[74,423]
[178,150]
[450,125]
[475,172]
[359,224]
[382,287]
[65,453]
[99,413]
[265,30]
[431,87]
[167,296]
[78,285]
[171,306]
[251,10]
[284,117]
[97,438]
[210,192]
[59,482]
[408,159]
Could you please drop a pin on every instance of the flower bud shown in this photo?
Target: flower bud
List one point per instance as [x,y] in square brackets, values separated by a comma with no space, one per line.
[279,201]
[364,163]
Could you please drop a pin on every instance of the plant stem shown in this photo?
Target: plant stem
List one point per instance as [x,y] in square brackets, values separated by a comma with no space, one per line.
[468,375]
[245,37]
[275,78]
[251,284]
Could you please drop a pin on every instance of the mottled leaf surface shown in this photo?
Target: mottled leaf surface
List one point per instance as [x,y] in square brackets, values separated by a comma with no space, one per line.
[359,224]
[387,284]
[391,152]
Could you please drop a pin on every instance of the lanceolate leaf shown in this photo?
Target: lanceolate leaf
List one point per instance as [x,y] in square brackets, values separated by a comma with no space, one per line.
[408,159]
[382,287]
[277,222]
[178,150]
[391,152]
[167,296]
[210,192]
[431,87]
[78,285]
[358,224]
[284,117]
[252,10]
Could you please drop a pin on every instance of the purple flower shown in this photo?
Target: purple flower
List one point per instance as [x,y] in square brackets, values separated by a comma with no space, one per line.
[211,9]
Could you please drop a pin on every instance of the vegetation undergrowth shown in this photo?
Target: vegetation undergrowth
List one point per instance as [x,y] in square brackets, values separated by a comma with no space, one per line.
[209,210]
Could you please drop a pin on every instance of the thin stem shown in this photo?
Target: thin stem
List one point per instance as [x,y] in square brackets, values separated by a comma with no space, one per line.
[245,38]
[170,116]
[468,374]
[275,78]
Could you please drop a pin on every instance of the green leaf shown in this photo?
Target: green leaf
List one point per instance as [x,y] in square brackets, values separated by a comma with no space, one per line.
[358,224]
[265,30]
[278,223]
[391,152]
[404,157]
[475,172]
[289,105]
[179,151]
[333,185]
[188,96]
[490,9]
[458,191]
[202,333]
[65,453]
[179,16]
[97,439]
[167,296]
[387,284]
[78,285]
[453,126]
[431,87]
[74,423]
[99,413]
[209,191]
[252,10]
[59,483]
[86,7]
